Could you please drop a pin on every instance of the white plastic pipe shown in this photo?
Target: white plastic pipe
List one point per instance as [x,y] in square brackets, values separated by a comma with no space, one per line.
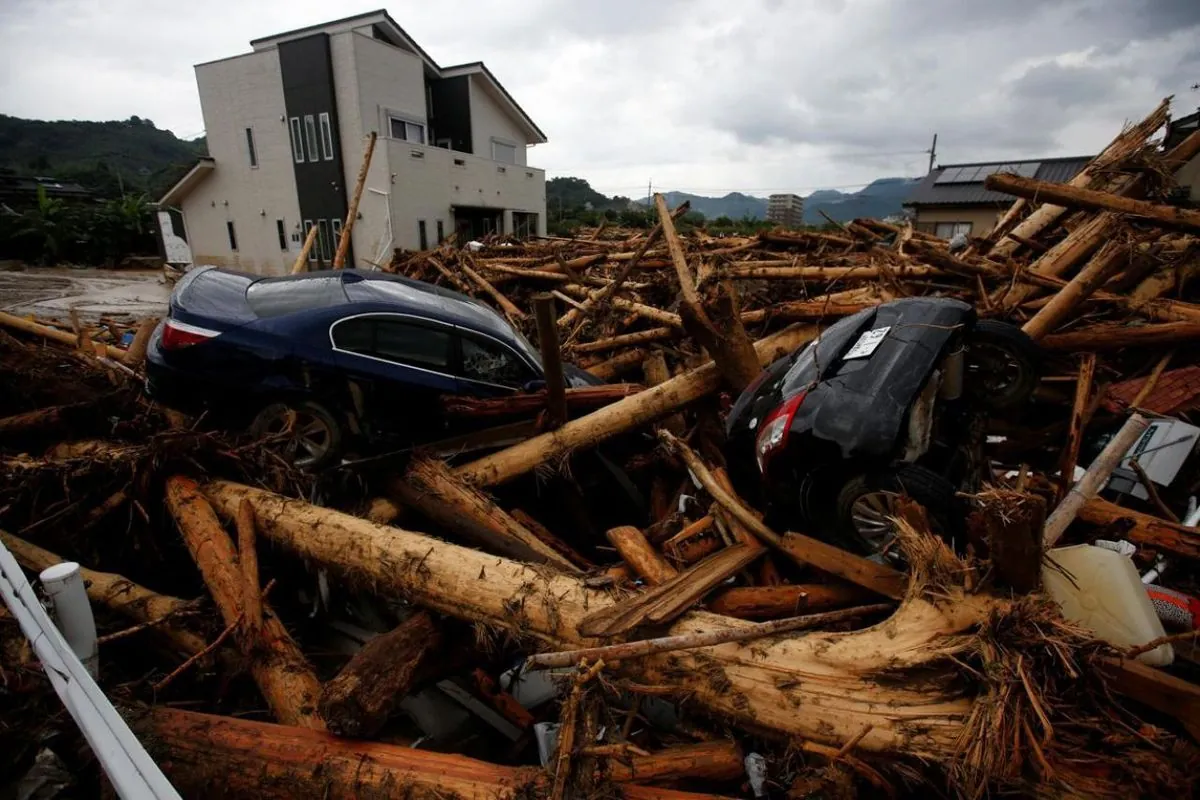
[73,613]
[129,768]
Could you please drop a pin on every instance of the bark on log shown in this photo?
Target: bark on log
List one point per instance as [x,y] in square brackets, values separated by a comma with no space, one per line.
[708,761]
[248,559]
[1074,197]
[833,697]
[1058,260]
[359,699]
[1142,529]
[618,364]
[773,602]
[117,593]
[1009,524]
[1125,144]
[283,675]
[556,386]
[439,494]
[1110,337]
[1079,409]
[655,371]
[1106,263]
[621,416]
[640,555]
[629,340]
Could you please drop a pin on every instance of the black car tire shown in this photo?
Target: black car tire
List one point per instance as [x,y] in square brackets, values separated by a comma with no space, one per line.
[1002,365]
[318,439]
[864,499]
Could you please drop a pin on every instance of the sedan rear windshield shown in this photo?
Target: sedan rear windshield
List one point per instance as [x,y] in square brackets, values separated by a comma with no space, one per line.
[274,297]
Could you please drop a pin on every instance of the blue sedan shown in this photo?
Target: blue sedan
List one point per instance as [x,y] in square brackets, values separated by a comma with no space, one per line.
[333,356]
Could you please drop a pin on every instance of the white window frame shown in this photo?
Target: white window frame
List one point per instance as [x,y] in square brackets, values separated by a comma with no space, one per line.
[297,141]
[326,136]
[335,233]
[310,136]
[504,143]
[406,121]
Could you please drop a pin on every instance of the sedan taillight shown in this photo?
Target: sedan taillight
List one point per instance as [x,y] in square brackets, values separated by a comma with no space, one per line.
[773,435]
[177,335]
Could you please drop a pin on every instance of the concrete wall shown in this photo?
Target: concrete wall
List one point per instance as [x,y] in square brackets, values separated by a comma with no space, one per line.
[235,94]
[1189,175]
[489,120]
[982,219]
[427,182]
[389,79]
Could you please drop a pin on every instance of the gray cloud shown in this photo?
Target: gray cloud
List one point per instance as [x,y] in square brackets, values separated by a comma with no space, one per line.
[700,95]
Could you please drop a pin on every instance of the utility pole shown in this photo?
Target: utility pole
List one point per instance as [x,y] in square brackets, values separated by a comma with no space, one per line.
[650,191]
[932,154]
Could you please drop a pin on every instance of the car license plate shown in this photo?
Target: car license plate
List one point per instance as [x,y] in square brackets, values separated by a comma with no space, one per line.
[867,343]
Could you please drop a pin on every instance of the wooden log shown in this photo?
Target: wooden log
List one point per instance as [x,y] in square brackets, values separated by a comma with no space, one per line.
[692,641]
[53,334]
[622,362]
[383,510]
[39,419]
[648,336]
[1094,479]
[136,353]
[1094,338]
[1142,529]
[1126,143]
[1009,523]
[431,488]
[359,699]
[1062,257]
[656,315]
[717,761]
[1106,263]
[283,675]
[621,416]
[773,602]
[640,554]
[1159,690]
[343,246]
[248,559]
[582,398]
[833,697]
[770,270]
[798,310]
[506,305]
[301,263]
[1083,399]
[542,532]
[116,593]
[1090,199]
[556,386]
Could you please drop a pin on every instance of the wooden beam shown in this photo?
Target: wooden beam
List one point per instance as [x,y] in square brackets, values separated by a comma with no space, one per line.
[552,368]
[1074,197]
[1114,337]
[343,247]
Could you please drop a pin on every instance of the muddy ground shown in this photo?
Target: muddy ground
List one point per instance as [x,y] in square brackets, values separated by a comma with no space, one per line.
[50,293]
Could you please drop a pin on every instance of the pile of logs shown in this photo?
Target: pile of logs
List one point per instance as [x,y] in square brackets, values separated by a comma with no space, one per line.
[269,633]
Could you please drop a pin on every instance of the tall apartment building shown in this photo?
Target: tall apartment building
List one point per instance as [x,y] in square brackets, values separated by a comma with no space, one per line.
[786,210]
[287,125]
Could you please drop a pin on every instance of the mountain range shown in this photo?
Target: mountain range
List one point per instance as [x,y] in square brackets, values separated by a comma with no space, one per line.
[877,199]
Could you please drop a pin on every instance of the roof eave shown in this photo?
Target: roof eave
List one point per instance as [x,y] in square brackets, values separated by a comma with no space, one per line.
[191,179]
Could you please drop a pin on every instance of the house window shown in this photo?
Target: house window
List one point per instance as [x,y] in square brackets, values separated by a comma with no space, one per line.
[504,151]
[297,142]
[323,239]
[421,235]
[336,225]
[406,130]
[948,230]
[326,137]
[279,229]
[441,232]
[310,136]
[232,235]
[253,153]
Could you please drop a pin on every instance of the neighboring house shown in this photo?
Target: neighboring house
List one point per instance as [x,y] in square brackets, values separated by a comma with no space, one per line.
[20,192]
[1188,176]
[786,210]
[287,126]
[952,199]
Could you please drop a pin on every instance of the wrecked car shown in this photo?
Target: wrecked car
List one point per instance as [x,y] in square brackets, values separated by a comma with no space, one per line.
[334,357]
[887,401]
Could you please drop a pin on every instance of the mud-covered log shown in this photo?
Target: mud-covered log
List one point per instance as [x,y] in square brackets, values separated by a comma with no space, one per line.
[1112,337]
[621,416]
[1142,529]
[773,602]
[37,420]
[359,699]
[430,487]
[834,694]
[210,756]
[707,761]
[283,675]
[639,554]
[1009,524]
[118,594]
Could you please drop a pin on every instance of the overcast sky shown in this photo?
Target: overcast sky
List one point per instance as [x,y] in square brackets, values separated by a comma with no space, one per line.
[705,96]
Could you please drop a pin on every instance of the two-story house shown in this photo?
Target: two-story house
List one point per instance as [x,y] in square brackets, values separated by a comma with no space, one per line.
[287,125]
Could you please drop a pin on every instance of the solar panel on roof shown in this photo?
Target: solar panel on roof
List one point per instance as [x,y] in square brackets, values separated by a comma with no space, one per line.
[1028,169]
[949,174]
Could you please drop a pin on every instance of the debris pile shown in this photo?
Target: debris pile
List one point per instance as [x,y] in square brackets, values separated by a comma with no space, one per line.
[585,603]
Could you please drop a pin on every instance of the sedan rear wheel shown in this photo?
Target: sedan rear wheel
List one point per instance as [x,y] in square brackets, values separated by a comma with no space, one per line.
[310,436]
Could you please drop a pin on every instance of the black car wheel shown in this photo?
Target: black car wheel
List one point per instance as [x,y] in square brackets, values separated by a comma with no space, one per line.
[312,438]
[1001,365]
[866,503]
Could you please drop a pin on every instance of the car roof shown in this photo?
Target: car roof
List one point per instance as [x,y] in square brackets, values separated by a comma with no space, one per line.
[410,296]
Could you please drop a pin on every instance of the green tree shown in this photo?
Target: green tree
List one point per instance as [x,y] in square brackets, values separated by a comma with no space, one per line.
[47,227]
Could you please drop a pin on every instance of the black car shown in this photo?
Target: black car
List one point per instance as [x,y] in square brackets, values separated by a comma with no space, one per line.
[334,356]
[888,401]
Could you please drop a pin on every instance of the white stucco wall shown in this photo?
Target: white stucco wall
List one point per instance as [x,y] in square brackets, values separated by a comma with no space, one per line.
[238,93]
[488,121]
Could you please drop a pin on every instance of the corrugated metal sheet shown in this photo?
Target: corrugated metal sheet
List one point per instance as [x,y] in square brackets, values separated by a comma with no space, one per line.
[1057,170]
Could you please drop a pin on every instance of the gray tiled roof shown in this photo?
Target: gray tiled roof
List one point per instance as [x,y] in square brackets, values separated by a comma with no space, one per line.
[1058,170]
